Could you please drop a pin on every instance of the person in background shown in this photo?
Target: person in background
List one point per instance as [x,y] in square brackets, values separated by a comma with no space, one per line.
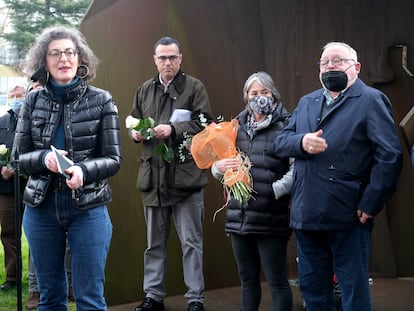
[347,163]
[82,122]
[8,228]
[260,230]
[172,189]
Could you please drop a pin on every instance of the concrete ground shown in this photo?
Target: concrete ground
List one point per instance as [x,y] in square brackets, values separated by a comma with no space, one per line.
[388,294]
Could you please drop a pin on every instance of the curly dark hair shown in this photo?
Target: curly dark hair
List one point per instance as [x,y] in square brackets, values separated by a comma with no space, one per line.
[36,60]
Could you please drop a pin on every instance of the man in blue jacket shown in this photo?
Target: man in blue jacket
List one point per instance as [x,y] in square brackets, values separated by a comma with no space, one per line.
[348,161]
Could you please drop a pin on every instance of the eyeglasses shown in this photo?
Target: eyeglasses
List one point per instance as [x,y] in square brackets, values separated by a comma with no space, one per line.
[335,61]
[56,54]
[171,58]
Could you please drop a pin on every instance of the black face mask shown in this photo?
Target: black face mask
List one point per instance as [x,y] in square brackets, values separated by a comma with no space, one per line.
[335,80]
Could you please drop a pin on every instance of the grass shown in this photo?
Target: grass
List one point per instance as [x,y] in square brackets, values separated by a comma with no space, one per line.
[8,299]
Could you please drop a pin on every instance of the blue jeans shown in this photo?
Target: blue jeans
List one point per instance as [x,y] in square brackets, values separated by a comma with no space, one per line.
[32,274]
[345,253]
[89,233]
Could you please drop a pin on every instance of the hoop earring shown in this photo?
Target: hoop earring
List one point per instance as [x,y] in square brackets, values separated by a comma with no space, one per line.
[82,72]
[47,76]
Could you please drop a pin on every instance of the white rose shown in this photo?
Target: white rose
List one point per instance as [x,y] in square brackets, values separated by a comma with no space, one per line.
[3,149]
[131,122]
[152,122]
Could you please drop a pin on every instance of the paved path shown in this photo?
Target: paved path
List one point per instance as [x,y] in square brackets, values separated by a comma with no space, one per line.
[388,294]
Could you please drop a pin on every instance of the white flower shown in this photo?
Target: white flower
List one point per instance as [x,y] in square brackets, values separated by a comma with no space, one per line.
[131,122]
[3,149]
[203,119]
[151,122]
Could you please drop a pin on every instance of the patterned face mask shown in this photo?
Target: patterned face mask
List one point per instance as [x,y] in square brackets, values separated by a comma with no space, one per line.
[261,104]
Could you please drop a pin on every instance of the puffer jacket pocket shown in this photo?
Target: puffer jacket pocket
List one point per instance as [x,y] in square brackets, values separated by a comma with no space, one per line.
[93,194]
[36,188]
[144,181]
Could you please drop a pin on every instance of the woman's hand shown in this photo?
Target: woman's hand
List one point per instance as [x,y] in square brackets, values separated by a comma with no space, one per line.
[76,177]
[51,162]
[226,164]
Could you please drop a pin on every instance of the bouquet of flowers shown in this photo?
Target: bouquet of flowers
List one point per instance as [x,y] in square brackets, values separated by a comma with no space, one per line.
[216,142]
[5,154]
[144,127]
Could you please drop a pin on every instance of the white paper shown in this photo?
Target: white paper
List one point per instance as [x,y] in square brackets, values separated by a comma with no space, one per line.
[63,162]
[180,115]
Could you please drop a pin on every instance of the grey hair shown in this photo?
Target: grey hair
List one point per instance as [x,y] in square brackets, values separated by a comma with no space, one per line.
[37,54]
[264,79]
[167,41]
[350,48]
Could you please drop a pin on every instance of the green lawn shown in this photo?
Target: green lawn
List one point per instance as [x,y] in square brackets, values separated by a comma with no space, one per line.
[8,300]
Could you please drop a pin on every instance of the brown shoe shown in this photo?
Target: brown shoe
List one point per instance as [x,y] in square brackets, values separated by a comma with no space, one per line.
[33,301]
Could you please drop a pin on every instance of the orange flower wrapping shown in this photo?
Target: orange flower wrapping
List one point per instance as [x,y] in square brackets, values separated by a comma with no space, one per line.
[231,177]
[215,142]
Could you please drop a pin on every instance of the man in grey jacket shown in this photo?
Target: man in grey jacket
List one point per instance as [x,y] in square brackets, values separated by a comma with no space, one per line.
[171,186]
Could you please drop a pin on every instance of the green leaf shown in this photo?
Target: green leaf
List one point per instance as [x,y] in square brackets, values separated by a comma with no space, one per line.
[160,149]
[165,152]
[168,155]
[146,133]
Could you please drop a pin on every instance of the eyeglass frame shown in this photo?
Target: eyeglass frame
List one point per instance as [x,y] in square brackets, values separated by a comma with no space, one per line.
[339,61]
[171,58]
[58,56]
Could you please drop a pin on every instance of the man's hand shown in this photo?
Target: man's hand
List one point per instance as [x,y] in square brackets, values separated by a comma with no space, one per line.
[363,217]
[136,136]
[314,143]
[162,131]
[6,173]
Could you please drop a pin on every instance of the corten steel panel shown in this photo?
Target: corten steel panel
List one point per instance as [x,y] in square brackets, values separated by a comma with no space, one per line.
[223,41]
[400,214]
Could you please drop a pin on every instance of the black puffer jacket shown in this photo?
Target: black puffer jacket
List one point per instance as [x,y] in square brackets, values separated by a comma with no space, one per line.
[264,214]
[92,139]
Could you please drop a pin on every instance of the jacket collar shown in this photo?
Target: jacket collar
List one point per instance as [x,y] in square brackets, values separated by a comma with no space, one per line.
[177,85]
[317,100]
[71,94]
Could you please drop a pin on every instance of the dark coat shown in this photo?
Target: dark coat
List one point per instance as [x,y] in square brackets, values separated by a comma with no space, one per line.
[8,123]
[162,183]
[263,214]
[92,139]
[358,171]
